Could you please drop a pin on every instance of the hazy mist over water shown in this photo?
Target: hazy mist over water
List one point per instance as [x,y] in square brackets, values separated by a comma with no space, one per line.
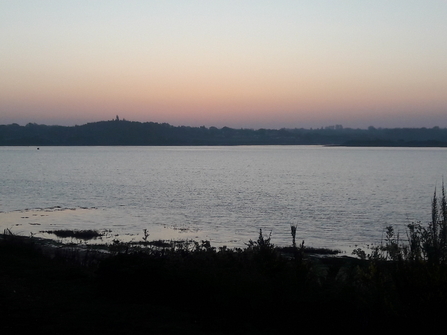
[339,197]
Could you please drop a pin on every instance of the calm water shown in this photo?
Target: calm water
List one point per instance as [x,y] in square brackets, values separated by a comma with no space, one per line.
[338,197]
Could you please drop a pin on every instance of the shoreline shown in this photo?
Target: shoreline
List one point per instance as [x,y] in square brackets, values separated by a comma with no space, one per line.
[37,222]
[67,238]
[196,289]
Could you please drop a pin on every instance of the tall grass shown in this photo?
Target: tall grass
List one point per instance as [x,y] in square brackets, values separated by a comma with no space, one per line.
[260,289]
[424,243]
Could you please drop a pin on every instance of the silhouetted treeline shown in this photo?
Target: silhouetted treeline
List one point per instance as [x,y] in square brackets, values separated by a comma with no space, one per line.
[121,132]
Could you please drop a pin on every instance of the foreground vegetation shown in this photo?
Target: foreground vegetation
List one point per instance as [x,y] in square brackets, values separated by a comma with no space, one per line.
[186,287]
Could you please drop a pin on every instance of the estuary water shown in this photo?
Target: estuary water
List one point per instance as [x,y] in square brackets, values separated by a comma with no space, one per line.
[338,197]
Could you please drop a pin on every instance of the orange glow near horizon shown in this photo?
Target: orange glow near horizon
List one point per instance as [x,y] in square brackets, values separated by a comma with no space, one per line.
[262,65]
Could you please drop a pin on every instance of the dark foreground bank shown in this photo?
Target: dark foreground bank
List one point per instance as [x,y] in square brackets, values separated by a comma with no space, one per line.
[194,289]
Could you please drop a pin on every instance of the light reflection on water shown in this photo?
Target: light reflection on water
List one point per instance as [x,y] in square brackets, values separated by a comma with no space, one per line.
[338,197]
[37,222]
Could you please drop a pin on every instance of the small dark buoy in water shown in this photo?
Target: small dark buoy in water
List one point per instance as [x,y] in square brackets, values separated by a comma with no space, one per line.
[38,148]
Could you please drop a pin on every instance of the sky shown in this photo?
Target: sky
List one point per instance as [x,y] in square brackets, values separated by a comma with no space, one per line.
[241,64]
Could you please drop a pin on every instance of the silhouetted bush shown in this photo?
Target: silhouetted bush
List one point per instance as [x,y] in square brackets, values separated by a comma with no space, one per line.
[189,286]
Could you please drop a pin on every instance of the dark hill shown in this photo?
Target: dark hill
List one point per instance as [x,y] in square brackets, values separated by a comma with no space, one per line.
[121,132]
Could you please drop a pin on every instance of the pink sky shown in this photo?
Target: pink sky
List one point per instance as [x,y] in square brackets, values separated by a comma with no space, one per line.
[247,64]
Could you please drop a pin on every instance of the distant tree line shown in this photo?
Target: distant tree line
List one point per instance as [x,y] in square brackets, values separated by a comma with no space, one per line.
[122,132]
